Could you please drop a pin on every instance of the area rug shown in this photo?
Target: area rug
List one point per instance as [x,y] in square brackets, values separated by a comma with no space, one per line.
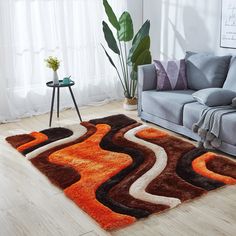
[118,170]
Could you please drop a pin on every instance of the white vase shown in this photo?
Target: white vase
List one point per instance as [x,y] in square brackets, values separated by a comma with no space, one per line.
[55,78]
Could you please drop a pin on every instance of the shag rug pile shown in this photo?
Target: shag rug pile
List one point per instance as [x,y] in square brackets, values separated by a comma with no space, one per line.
[118,170]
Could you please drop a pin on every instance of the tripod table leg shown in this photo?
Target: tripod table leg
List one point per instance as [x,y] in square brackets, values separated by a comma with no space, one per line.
[58,101]
[73,98]
[52,104]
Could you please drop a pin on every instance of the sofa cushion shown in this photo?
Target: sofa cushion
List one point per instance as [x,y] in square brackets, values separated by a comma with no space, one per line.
[171,75]
[214,96]
[167,105]
[191,115]
[206,70]
[230,82]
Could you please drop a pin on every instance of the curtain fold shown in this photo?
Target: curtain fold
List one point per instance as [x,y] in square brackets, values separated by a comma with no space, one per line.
[30,31]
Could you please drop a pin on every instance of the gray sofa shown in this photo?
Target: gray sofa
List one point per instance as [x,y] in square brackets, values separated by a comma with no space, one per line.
[178,111]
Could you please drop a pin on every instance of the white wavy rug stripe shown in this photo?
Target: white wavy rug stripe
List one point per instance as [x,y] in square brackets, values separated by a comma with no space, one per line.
[137,189]
[78,131]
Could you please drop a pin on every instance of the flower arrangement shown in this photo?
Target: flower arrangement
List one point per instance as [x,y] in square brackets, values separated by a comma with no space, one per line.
[52,63]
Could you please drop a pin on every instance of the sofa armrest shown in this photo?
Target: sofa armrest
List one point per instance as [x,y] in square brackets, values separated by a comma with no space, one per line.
[147,77]
[146,81]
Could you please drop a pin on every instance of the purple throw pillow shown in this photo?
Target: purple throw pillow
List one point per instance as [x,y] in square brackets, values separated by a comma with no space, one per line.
[171,75]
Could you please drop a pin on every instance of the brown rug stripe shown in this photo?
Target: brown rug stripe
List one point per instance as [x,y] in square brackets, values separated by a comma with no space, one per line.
[18,140]
[168,183]
[61,176]
[118,122]
[184,170]
[120,192]
[53,135]
[222,166]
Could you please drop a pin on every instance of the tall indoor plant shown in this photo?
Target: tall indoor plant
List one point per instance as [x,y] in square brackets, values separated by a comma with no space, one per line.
[129,59]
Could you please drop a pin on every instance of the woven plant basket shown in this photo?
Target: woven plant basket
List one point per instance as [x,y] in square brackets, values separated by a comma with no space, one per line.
[130,104]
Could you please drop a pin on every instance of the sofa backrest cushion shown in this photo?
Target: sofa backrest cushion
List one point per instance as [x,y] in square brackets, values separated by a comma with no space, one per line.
[206,70]
[230,82]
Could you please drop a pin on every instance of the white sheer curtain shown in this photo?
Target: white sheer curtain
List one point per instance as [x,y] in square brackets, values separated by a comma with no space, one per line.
[30,31]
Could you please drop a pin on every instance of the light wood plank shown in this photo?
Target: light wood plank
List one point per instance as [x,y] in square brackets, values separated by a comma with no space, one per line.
[38,220]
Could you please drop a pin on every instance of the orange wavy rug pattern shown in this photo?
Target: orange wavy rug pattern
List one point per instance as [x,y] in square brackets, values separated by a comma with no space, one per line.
[37,139]
[103,158]
[95,166]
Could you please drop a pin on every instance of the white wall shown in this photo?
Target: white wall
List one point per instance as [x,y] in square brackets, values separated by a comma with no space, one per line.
[180,25]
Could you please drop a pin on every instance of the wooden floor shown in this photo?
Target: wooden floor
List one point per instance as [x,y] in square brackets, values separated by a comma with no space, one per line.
[30,205]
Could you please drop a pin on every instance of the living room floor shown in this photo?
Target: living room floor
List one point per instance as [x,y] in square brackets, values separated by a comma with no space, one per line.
[31,205]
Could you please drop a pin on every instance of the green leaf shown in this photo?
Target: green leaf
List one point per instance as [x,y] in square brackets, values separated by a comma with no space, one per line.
[143,59]
[109,58]
[111,15]
[143,32]
[141,47]
[111,42]
[126,32]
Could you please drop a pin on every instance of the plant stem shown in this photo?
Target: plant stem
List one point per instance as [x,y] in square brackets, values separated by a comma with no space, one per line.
[127,69]
[120,79]
[131,87]
[124,70]
[134,87]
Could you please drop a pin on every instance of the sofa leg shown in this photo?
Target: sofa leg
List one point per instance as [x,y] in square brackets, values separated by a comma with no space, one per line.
[144,120]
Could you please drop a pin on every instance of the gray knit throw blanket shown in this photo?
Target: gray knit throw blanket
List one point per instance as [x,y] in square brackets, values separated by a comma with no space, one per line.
[209,125]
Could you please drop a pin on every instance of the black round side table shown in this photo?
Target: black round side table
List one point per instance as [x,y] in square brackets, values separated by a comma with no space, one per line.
[58,86]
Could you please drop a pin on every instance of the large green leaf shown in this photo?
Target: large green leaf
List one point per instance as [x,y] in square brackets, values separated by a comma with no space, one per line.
[109,58]
[111,42]
[111,15]
[141,47]
[143,31]
[143,59]
[126,32]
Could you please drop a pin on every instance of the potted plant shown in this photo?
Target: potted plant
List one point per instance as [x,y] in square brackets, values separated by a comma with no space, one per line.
[54,64]
[129,58]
